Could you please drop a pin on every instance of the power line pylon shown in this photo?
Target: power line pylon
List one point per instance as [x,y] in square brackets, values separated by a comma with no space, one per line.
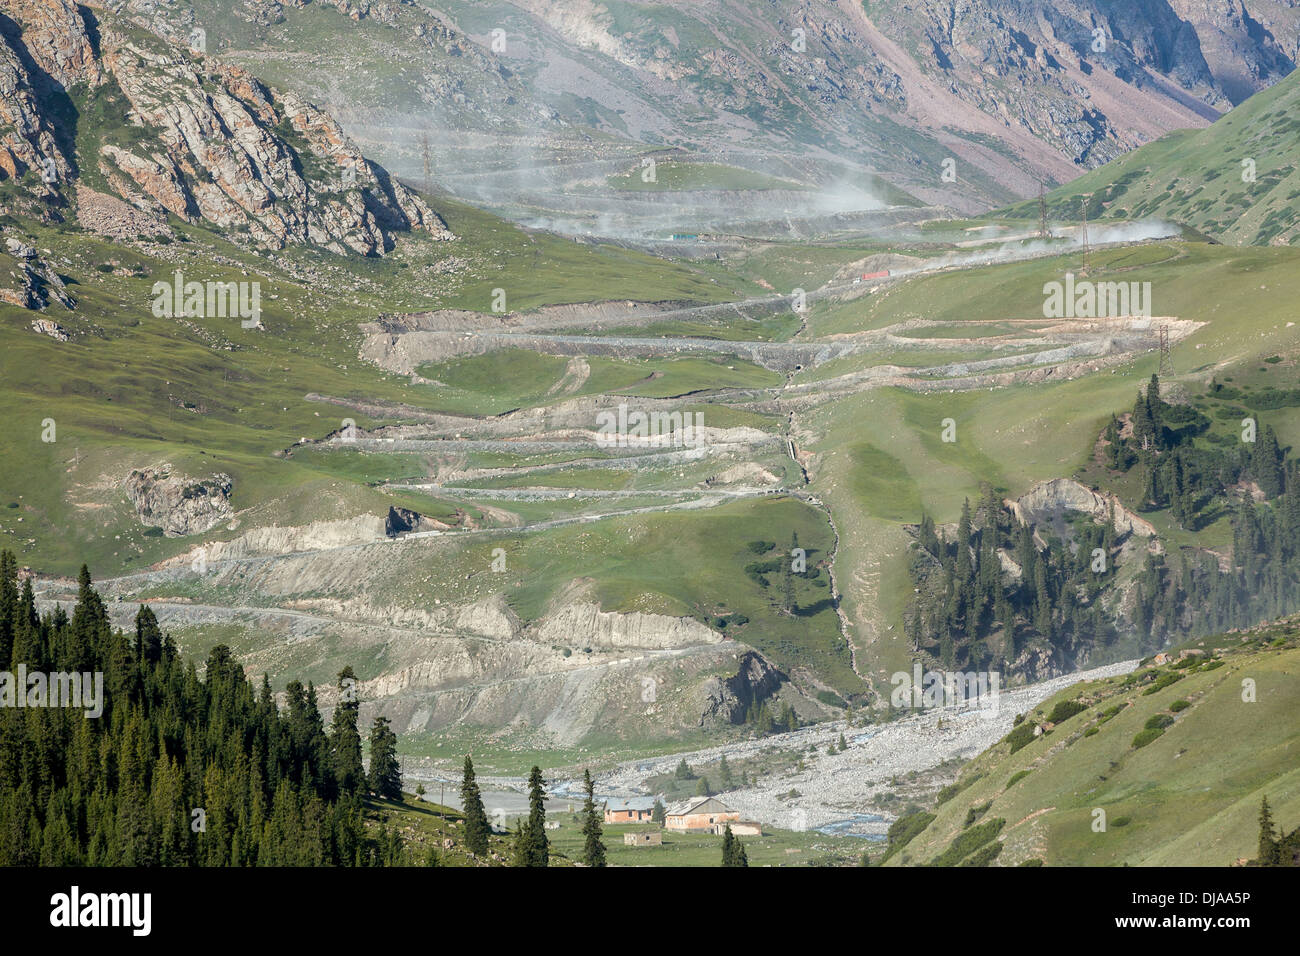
[1084,270]
[1166,359]
[1043,231]
[428,165]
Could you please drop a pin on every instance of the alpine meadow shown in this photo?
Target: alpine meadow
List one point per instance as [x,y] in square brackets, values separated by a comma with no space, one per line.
[495,434]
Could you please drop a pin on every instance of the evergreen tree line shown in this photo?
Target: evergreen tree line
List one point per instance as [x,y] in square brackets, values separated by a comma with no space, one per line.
[1188,477]
[972,614]
[759,716]
[178,770]
[1275,848]
[529,844]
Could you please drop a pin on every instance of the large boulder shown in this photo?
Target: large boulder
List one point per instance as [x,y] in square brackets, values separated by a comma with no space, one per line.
[179,506]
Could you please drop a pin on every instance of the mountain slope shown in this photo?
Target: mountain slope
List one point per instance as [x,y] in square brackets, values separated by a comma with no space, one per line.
[1237,180]
[1223,734]
[92,100]
[825,93]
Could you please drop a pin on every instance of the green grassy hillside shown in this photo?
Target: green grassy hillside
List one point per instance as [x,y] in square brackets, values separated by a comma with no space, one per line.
[880,457]
[1177,755]
[1237,180]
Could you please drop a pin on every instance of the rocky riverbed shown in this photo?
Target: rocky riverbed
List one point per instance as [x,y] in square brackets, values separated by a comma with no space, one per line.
[838,791]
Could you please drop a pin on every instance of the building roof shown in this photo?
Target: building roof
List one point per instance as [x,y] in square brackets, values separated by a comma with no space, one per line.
[697,805]
[644,804]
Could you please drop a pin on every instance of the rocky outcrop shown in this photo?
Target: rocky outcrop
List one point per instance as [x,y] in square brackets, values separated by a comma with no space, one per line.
[33,283]
[401,521]
[275,539]
[209,142]
[729,700]
[587,625]
[178,505]
[57,39]
[1047,501]
[52,329]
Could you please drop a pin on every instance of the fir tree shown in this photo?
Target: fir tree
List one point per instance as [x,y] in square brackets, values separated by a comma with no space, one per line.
[1268,846]
[476,821]
[535,843]
[657,812]
[345,738]
[733,852]
[385,771]
[593,849]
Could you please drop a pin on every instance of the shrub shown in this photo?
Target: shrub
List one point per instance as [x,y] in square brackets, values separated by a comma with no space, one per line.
[1158,722]
[1064,710]
[1110,712]
[1179,705]
[1145,737]
[984,856]
[905,829]
[1021,736]
[968,842]
[1032,861]
[1163,681]
[950,791]
[831,699]
[1017,777]
[974,813]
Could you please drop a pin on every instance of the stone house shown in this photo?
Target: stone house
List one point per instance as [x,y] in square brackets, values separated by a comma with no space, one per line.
[700,813]
[630,810]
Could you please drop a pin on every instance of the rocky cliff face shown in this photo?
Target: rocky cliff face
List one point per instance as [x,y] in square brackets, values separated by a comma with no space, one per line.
[185,134]
[176,504]
[728,700]
[588,625]
[33,283]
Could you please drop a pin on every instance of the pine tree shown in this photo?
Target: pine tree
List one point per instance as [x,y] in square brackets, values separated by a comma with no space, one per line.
[520,847]
[148,636]
[733,852]
[536,844]
[385,771]
[345,738]
[657,812]
[476,821]
[1268,846]
[8,605]
[593,849]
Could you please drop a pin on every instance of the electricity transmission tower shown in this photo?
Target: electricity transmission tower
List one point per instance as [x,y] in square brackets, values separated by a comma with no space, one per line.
[1166,360]
[1084,270]
[1043,231]
[428,165]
